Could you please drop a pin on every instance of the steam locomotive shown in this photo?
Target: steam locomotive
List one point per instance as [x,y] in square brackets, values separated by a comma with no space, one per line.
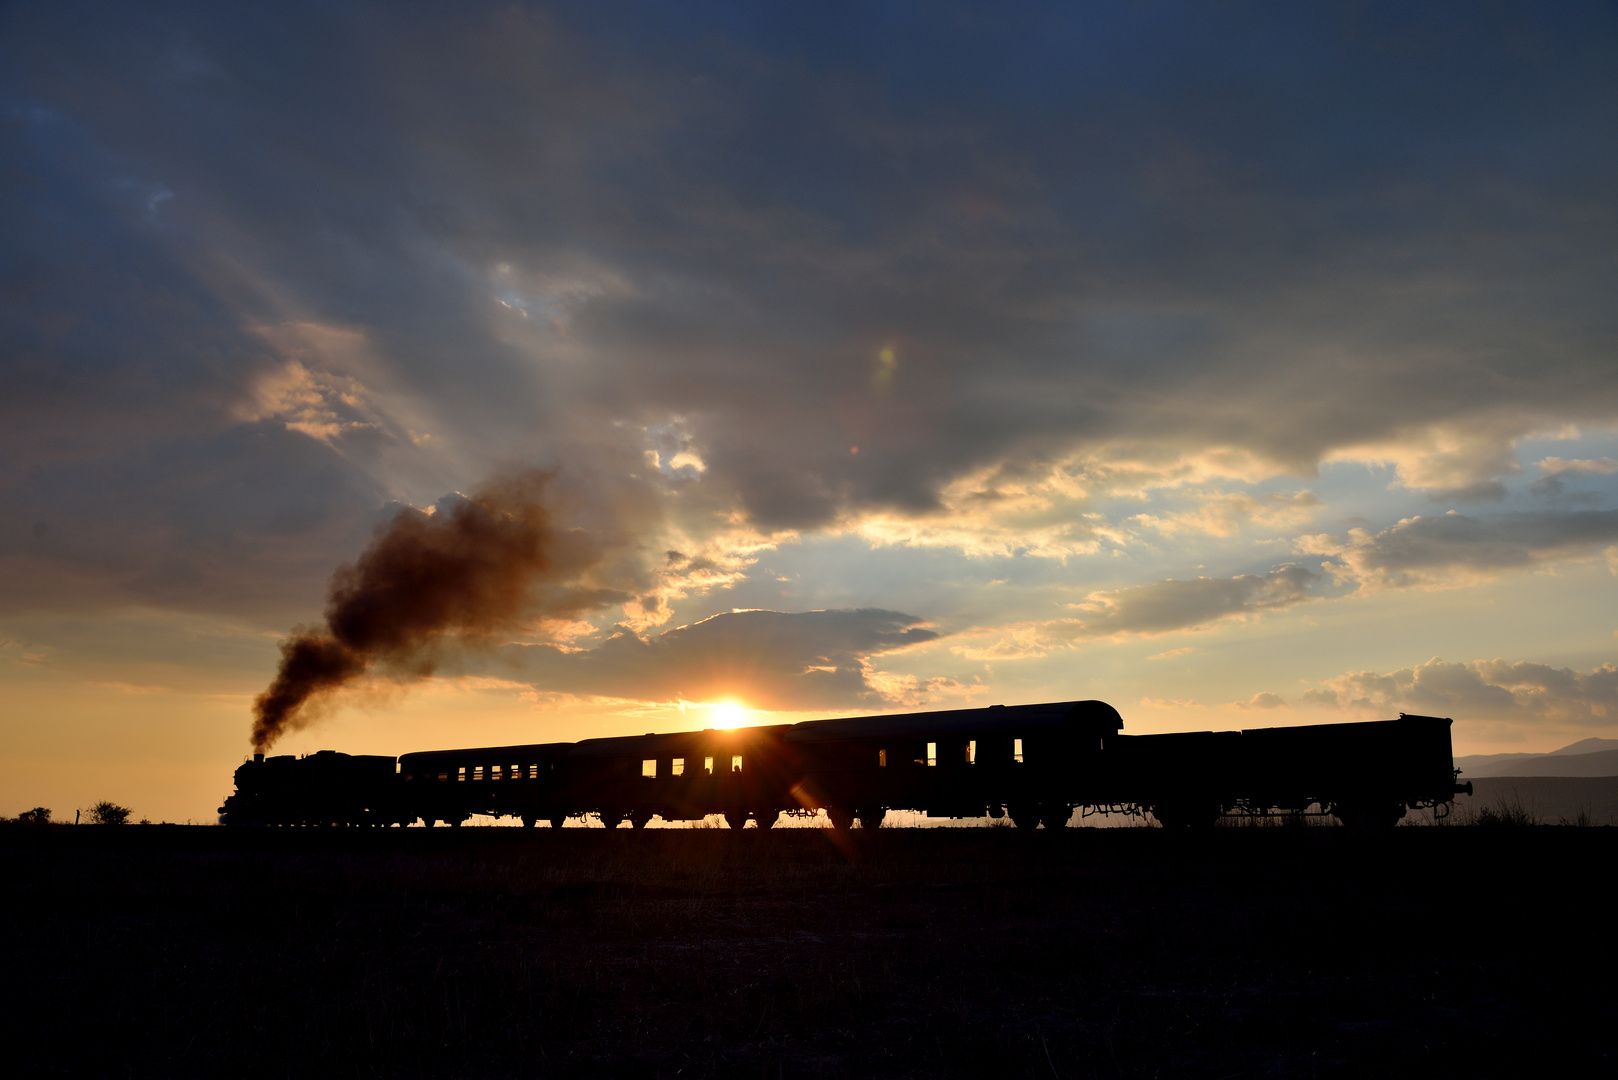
[1033,764]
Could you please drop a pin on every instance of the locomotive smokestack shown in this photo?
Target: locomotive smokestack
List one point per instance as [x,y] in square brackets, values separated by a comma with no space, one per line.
[428,584]
[258,759]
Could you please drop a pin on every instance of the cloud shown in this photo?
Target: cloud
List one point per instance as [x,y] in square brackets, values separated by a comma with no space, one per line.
[1040,510]
[806,237]
[1049,508]
[1557,471]
[1165,606]
[1024,641]
[1555,466]
[770,659]
[248,521]
[1481,690]
[1262,700]
[1227,515]
[1161,607]
[1461,462]
[1456,549]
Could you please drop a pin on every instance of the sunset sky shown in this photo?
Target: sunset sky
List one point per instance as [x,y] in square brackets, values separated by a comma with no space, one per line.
[1239,365]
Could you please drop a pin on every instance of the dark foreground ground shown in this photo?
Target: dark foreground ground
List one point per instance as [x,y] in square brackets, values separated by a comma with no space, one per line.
[1437,952]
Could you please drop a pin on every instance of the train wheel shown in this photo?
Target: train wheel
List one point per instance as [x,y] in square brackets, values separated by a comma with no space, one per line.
[1023,816]
[558,820]
[872,819]
[736,818]
[640,819]
[766,818]
[1056,816]
[840,817]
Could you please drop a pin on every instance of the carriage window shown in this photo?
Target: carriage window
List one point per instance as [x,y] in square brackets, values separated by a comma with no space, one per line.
[461,773]
[443,776]
[648,768]
[972,752]
[678,767]
[881,757]
[1016,749]
[932,753]
[707,765]
[516,772]
[533,772]
[494,772]
[477,772]
[735,763]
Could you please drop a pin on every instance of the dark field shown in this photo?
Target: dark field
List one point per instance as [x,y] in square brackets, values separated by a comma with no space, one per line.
[1438,952]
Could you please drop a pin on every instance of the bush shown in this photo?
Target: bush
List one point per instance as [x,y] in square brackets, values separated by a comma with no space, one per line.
[1510,815]
[37,816]
[106,813]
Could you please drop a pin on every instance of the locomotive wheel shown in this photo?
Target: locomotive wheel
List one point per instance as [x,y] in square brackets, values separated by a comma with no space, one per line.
[840,817]
[766,818]
[736,818]
[1056,816]
[640,819]
[1023,816]
[529,821]
[872,819]
[558,820]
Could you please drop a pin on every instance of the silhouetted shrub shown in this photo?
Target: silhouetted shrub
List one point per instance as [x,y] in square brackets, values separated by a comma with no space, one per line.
[106,813]
[1505,814]
[39,815]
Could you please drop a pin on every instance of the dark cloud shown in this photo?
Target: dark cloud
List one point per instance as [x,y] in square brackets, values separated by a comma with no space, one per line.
[1165,606]
[1558,473]
[1483,491]
[768,659]
[249,520]
[1481,690]
[1429,550]
[1287,229]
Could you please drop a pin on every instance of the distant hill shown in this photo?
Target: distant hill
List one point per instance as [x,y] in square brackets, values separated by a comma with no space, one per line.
[1587,757]
[1586,746]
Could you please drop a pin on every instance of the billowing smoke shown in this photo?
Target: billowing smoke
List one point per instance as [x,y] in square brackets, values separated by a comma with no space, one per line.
[432,583]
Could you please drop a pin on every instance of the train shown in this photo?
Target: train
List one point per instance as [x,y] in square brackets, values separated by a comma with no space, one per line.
[1024,765]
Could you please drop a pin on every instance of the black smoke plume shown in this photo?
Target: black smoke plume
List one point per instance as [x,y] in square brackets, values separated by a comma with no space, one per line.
[431,583]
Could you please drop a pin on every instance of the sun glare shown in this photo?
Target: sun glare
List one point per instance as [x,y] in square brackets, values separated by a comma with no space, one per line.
[729,714]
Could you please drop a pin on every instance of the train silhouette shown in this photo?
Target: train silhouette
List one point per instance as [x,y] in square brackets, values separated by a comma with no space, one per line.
[1033,764]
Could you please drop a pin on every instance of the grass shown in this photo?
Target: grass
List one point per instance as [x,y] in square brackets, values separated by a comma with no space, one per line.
[920,952]
[1508,813]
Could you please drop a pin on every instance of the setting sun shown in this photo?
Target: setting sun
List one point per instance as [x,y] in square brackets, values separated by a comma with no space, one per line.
[729,714]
